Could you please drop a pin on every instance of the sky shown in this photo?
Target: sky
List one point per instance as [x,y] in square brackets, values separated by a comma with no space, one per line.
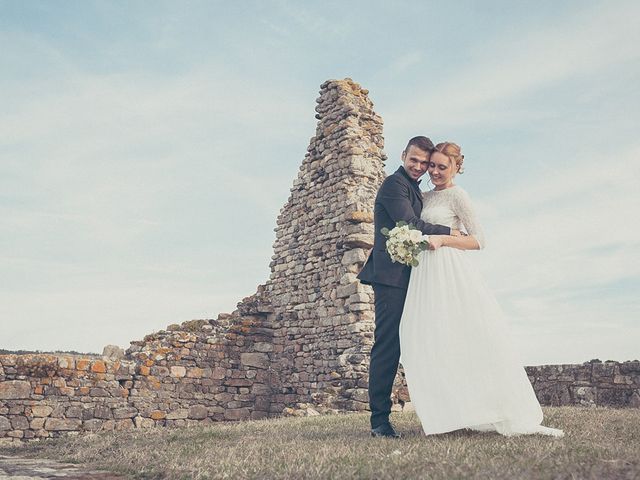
[146,149]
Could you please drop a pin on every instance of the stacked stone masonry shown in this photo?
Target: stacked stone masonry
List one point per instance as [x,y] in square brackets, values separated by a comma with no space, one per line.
[299,346]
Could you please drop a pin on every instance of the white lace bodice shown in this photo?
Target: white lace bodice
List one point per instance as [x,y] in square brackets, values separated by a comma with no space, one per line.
[452,207]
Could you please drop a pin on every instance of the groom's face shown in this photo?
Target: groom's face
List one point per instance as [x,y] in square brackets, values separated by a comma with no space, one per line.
[415,161]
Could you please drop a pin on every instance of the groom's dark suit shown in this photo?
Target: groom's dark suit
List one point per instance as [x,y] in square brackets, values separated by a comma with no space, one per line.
[399,198]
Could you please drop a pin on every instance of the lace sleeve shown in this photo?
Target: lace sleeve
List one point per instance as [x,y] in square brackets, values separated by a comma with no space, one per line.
[463,208]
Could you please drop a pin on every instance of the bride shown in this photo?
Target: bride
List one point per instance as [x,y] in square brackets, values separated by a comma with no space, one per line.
[460,363]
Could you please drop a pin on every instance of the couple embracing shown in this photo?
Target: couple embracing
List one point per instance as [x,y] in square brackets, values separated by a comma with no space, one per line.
[439,319]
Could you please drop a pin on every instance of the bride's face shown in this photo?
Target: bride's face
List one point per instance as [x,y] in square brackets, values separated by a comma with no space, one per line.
[440,170]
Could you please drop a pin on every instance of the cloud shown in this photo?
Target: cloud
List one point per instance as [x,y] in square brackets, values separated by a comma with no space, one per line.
[86,319]
[563,258]
[314,22]
[517,64]
[404,62]
[573,224]
[117,190]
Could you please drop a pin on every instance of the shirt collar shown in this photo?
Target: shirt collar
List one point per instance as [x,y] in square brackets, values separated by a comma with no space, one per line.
[406,175]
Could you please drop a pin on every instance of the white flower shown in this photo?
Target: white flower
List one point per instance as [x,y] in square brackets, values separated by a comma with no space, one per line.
[415,236]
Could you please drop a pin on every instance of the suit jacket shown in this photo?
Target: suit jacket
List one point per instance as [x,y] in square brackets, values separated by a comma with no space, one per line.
[399,198]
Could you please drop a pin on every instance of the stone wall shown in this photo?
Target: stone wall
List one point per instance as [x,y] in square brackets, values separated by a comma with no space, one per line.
[200,371]
[613,384]
[298,346]
[189,375]
[46,395]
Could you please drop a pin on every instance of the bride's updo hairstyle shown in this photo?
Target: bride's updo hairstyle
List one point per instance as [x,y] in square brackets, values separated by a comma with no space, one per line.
[452,151]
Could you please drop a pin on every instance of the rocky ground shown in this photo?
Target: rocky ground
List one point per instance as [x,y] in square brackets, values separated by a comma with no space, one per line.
[16,468]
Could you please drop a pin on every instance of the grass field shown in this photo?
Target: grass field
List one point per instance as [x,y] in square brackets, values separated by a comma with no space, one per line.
[599,443]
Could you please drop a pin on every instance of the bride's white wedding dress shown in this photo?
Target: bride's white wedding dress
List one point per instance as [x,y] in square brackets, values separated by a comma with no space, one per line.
[461,367]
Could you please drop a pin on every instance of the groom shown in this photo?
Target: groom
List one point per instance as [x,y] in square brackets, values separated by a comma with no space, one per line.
[399,198]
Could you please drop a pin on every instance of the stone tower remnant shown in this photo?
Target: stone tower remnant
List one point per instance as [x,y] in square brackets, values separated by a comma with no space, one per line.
[323,314]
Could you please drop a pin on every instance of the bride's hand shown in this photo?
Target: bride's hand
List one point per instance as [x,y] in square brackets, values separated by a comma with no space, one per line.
[436,241]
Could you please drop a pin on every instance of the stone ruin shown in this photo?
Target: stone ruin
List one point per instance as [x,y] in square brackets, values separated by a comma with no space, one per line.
[299,346]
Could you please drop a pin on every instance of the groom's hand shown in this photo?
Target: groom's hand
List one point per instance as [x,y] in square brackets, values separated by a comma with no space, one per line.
[455,233]
[436,241]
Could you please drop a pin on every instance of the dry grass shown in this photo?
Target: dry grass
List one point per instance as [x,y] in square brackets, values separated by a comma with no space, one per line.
[599,443]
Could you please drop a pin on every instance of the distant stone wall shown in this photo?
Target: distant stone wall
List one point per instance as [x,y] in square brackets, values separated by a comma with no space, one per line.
[611,384]
[299,346]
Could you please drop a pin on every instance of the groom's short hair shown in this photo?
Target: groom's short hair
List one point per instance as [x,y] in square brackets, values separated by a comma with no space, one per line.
[423,143]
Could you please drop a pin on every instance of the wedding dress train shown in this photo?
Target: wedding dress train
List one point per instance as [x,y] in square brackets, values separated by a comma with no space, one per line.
[461,367]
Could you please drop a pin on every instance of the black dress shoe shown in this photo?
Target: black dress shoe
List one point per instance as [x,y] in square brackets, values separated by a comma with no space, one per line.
[384,430]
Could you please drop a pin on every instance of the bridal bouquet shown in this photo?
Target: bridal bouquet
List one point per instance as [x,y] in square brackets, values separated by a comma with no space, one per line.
[404,243]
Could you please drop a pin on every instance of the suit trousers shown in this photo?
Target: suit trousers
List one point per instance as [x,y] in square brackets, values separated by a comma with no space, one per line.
[385,354]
